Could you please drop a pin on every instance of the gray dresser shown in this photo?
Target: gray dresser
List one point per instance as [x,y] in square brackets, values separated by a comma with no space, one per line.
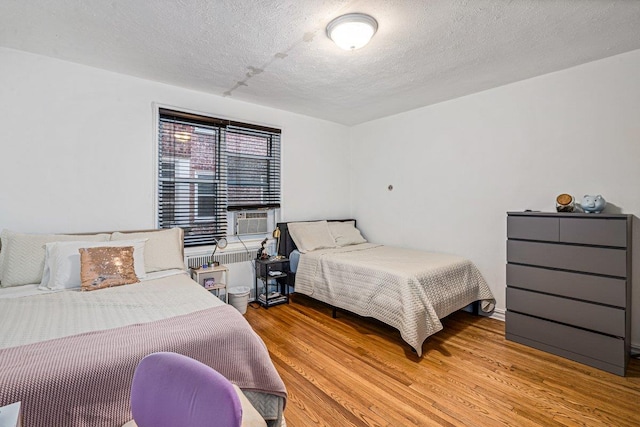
[569,286]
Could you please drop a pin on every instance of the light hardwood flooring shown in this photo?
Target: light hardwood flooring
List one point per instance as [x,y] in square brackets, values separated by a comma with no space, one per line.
[353,371]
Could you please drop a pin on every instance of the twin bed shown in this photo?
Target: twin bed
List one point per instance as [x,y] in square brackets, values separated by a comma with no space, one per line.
[407,289]
[69,356]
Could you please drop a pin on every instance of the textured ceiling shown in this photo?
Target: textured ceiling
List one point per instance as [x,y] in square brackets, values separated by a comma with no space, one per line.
[276,53]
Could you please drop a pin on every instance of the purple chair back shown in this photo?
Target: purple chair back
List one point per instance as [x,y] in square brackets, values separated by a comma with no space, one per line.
[170,390]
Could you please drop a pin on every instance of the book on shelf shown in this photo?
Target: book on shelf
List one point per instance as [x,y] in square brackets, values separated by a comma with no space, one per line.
[274,297]
[273,301]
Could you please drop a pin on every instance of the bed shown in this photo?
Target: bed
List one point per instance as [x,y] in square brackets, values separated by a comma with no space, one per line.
[69,355]
[409,290]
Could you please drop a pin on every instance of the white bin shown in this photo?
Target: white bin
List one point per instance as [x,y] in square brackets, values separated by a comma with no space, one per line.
[239,298]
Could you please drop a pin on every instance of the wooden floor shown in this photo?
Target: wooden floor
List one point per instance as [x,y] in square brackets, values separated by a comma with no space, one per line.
[353,371]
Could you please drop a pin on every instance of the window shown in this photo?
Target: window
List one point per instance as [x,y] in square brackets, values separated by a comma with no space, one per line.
[207,166]
[253,161]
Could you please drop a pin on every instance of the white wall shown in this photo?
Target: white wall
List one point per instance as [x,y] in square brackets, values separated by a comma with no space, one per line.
[459,166]
[77,148]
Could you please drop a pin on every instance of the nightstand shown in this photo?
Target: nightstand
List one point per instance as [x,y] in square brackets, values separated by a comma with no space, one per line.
[213,279]
[272,281]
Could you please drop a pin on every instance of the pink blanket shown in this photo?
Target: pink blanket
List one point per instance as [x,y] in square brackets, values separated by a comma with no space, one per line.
[84,380]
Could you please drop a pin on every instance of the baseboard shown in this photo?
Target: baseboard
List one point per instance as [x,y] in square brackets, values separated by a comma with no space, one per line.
[498,314]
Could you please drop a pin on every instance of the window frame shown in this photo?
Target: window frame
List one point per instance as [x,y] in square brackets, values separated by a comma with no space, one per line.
[188,215]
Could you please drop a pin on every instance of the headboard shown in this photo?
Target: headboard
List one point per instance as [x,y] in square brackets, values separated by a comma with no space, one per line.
[127,231]
[286,242]
[146,230]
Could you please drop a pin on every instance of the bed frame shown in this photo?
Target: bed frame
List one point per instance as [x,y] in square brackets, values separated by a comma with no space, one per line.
[287,245]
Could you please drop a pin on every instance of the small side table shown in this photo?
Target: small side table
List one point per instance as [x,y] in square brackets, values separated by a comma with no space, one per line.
[213,279]
[275,271]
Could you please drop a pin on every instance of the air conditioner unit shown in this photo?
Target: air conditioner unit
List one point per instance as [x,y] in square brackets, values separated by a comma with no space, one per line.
[251,222]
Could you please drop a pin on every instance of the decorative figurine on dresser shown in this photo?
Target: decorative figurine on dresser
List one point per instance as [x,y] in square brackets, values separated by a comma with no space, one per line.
[569,286]
[565,203]
[593,204]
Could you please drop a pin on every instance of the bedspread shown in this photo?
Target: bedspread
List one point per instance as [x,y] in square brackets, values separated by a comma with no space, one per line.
[407,289]
[46,316]
[84,380]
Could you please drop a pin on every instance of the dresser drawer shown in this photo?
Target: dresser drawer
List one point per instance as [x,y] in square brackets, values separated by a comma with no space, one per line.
[604,232]
[600,289]
[609,261]
[566,339]
[533,228]
[595,317]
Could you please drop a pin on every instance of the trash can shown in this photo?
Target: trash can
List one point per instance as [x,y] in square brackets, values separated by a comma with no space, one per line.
[239,298]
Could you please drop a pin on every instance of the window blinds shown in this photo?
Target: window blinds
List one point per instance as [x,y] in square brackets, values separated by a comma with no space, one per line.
[207,166]
[253,179]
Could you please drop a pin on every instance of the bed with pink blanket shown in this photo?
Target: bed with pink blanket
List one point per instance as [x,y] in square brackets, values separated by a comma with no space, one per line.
[69,356]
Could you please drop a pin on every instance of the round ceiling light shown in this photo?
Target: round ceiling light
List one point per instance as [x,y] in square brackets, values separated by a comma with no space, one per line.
[352,31]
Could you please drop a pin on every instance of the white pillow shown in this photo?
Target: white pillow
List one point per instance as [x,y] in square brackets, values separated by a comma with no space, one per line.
[163,250]
[22,255]
[309,236]
[62,266]
[345,233]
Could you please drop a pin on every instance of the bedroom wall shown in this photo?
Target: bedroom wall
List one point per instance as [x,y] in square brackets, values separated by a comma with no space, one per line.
[77,148]
[459,166]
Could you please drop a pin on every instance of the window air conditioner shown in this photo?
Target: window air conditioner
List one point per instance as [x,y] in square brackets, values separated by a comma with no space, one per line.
[251,222]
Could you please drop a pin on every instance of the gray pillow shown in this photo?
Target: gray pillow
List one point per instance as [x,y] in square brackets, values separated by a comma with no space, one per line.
[22,255]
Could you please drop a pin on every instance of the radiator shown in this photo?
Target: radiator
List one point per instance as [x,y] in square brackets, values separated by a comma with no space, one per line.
[240,264]
[198,260]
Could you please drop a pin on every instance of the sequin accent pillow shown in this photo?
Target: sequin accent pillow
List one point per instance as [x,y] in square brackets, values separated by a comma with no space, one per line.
[104,267]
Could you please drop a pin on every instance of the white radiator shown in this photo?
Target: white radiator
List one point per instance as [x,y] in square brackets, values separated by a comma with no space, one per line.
[198,259]
[240,264]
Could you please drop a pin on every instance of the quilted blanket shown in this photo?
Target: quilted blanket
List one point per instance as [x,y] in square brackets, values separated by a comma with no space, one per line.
[84,380]
[407,289]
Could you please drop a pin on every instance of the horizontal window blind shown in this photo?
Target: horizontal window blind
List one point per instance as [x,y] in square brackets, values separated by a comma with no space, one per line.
[253,179]
[207,166]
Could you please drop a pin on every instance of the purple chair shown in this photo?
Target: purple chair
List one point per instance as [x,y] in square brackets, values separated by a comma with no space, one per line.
[170,390]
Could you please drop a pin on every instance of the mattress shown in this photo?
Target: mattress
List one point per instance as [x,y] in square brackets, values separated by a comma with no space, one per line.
[48,315]
[407,289]
[166,312]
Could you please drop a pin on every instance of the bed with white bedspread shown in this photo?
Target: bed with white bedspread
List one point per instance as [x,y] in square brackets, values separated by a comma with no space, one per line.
[69,355]
[407,289]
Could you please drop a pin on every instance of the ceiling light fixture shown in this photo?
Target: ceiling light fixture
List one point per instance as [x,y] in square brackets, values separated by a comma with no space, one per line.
[352,31]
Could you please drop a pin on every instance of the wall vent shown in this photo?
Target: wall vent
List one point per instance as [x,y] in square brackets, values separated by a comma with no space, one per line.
[251,222]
